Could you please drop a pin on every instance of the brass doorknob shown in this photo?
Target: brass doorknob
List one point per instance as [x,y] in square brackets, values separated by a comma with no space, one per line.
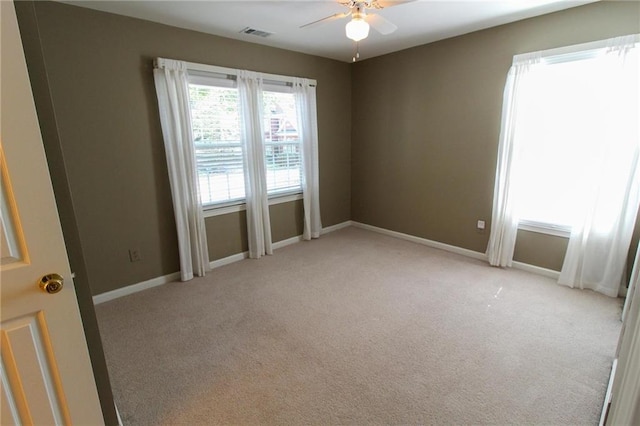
[51,283]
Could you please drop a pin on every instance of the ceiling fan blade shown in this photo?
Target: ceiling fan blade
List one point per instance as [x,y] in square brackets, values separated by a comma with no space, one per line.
[383,4]
[380,24]
[327,19]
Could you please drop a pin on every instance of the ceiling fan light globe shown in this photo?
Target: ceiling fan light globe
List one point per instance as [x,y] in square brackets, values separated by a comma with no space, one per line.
[357,29]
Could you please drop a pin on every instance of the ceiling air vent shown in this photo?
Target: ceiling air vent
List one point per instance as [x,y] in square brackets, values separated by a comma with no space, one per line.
[255,32]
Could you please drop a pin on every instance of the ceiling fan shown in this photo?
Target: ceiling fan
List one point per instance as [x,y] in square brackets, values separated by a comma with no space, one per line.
[358,28]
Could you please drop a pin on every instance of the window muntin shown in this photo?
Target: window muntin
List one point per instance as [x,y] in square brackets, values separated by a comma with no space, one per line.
[282,147]
[215,123]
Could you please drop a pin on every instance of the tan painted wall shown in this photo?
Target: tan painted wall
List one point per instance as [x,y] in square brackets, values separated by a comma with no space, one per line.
[408,141]
[426,123]
[424,138]
[99,69]
[46,117]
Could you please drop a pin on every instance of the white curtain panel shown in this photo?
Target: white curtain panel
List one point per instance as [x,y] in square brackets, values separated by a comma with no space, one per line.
[599,243]
[258,221]
[504,218]
[172,88]
[305,95]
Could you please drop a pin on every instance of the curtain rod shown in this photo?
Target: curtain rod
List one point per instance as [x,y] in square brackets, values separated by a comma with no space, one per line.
[222,76]
[593,45]
[193,66]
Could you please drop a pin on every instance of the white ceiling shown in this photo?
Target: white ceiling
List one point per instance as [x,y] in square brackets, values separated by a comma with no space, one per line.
[419,22]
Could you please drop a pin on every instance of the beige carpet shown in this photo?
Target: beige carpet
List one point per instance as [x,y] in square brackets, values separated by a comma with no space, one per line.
[360,328]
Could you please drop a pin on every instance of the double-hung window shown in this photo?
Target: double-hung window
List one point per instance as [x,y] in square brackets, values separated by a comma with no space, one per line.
[235,140]
[569,122]
[216,127]
[283,151]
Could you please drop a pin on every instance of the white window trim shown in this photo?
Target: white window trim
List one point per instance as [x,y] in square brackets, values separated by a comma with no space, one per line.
[224,77]
[573,52]
[241,205]
[552,56]
[222,71]
[545,228]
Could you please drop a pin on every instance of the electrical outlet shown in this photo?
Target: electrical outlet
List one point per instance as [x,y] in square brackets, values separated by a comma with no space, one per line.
[480,224]
[134,255]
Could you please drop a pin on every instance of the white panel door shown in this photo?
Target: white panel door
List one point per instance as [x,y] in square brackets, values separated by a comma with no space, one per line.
[45,367]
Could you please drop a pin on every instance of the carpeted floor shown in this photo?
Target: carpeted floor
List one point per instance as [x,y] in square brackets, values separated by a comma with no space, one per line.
[360,328]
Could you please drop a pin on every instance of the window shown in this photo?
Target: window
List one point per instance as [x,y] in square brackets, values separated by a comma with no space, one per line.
[216,128]
[221,140]
[568,157]
[281,143]
[568,122]
[215,124]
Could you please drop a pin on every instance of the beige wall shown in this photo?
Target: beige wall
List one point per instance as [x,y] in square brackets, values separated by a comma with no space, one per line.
[426,123]
[46,117]
[408,141]
[99,69]
[420,158]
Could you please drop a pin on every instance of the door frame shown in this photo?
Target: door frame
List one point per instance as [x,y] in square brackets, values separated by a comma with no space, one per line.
[625,393]
[36,66]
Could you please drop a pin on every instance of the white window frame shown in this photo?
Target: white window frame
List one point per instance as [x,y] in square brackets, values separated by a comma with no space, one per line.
[218,81]
[545,228]
[271,86]
[225,77]
[554,56]
[239,206]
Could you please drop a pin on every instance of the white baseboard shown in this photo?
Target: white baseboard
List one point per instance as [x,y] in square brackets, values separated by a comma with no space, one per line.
[134,288]
[154,282]
[536,270]
[118,415]
[245,255]
[454,249]
[336,227]
[287,242]
[228,260]
[607,397]
[423,241]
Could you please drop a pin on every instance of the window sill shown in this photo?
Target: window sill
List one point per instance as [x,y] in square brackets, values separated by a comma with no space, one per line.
[241,206]
[545,228]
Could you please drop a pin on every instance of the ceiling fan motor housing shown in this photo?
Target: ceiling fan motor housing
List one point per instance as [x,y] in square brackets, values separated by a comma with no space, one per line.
[359,12]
